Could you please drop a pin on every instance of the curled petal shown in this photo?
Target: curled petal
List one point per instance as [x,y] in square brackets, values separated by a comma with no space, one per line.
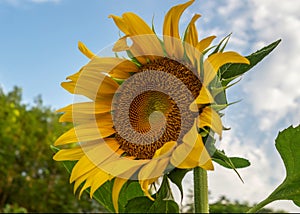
[89,54]
[210,118]
[215,61]
[165,150]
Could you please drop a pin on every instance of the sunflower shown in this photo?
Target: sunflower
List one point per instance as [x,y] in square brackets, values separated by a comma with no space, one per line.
[144,112]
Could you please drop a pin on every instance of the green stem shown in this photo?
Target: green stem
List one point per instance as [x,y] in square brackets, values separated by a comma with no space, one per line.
[200,191]
[260,205]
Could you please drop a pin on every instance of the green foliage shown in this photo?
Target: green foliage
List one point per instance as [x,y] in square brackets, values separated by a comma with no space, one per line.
[176,176]
[163,202]
[224,205]
[231,162]
[231,71]
[29,178]
[288,146]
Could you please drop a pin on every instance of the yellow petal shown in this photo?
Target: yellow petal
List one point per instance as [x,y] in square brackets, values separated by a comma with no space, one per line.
[136,25]
[115,67]
[197,156]
[145,186]
[172,41]
[83,178]
[121,45]
[215,61]
[75,76]
[204,97]
[88,182]
[85,132]
[191,36]
[191,40]
[92,159]
[100,178]
[153,169]
[93,92]
[205,43]
[103,119]
[118,184]
[165,150]
[102,152]
[93,83]
[87,108]
[69,154]
[117,166]
[210,118]
[83,166]
[182,151]
[141,34]
[120,23]
[89,54]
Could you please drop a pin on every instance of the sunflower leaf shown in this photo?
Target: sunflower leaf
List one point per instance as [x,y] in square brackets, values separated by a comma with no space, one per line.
[176,176]
[138,205]
[231,71]
[288,146]
[236,161]
[164,190]
[164,206]
[220,158]
[128,192]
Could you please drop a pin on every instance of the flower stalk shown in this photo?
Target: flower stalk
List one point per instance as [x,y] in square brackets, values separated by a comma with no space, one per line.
[200,190]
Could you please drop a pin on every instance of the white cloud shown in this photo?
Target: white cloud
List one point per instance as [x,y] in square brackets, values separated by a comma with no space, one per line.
[260,179]
[270,92]
[274,90]
[272,87]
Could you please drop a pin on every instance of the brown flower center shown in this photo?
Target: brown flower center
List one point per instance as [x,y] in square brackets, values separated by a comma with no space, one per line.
[152,108]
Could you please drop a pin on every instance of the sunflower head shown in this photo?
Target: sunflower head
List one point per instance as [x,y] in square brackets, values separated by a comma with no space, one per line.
[148,113]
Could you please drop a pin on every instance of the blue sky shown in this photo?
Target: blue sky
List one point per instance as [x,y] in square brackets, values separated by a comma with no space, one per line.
[39,49]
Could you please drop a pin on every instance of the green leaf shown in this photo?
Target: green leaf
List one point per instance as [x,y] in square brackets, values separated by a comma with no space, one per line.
[220,158]
[139,205]
[164,191]
[288,146]
[176,176]
[236,161]
[231,71]
[164,206]
[128,192]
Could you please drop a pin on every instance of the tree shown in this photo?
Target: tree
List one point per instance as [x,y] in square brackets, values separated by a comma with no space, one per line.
[224,205]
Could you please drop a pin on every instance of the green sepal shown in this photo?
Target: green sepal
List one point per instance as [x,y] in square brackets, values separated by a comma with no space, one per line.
[133,59]
[219,48]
